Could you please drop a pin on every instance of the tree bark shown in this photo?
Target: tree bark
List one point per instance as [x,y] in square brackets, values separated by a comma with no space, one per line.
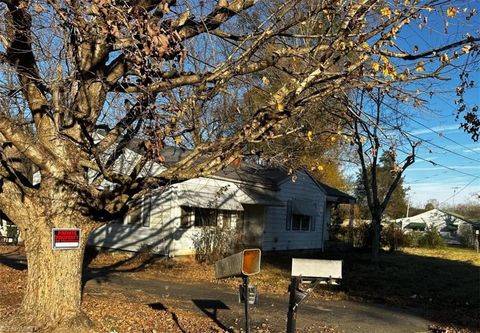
[376,228]
[53,295]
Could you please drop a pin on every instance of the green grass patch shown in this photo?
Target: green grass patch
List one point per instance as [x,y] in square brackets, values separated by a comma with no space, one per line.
[444,283]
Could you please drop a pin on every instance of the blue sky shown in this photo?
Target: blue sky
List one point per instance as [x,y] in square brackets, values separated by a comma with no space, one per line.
[448,160]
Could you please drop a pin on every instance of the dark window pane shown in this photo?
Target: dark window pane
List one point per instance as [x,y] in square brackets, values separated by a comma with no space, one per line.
[188,215]
[300,222]
[296,222]
[205,217]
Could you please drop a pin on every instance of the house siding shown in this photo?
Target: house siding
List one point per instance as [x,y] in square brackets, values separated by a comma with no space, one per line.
[126,235]
[263,226]
[276,237]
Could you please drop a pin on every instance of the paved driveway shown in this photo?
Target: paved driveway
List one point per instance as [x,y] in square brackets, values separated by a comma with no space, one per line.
[221,304]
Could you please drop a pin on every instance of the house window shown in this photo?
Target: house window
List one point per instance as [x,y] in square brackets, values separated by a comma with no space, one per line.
[301,222]
[228,217]
[140,212]
[188,217]
[206,217]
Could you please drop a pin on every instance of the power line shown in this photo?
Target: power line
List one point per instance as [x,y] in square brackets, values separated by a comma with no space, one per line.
[423,140]
[440,165]
[436,132]
[457,192]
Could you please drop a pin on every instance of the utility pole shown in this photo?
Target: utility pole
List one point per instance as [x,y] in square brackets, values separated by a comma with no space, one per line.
[408,206]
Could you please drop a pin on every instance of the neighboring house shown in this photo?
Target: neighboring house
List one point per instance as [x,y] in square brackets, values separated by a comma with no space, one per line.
[265,206]
[450,225]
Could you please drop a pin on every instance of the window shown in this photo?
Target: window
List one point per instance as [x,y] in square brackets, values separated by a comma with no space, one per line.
[301,215]
[188,217]
[206,217]
[140,212]
[301,222]
[228,217]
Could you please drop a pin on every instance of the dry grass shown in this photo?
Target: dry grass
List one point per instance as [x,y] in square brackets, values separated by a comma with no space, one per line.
[450,253]
[443,282]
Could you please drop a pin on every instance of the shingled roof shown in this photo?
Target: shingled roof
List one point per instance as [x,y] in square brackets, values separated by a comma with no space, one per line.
[246,172]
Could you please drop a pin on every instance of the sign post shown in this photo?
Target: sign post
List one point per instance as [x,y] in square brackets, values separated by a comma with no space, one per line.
[65,238]
[477,239]
[242,264]
[310,271]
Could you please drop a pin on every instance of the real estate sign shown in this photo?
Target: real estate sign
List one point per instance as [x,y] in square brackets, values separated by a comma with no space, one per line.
[64,239]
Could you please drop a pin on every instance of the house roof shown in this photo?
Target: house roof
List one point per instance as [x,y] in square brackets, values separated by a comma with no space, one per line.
[272,177]
[341,197]
[471,221]
[246,172]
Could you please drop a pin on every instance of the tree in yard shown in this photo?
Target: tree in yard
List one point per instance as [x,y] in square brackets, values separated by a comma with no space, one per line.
[397,205]
[380,181]
[163,71]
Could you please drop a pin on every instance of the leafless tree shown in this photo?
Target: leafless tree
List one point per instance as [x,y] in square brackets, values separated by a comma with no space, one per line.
[373,132]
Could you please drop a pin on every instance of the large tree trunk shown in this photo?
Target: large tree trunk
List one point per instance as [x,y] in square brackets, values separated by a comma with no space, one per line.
[53,296]
[376,228]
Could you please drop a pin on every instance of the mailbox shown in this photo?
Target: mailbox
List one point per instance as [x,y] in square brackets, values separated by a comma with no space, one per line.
[312,269]
[244,263]
[314,272]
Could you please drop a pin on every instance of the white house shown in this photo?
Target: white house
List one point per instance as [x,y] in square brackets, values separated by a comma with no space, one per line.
[448,224]
[265,206]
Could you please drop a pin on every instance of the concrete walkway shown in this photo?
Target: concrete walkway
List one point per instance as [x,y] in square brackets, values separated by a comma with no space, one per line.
[221,304]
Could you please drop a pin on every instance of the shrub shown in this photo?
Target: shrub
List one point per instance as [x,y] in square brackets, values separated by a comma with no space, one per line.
[362,234]
[214,243]
[394,237]
[431,238]
[413,237]
[466,234]
[335,229]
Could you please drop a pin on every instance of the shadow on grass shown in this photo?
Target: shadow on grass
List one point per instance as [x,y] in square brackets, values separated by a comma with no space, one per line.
[446,291]
[137,262]
[210,307]
[15,262]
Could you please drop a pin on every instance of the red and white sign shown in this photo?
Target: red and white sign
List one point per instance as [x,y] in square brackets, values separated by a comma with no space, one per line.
[66,238]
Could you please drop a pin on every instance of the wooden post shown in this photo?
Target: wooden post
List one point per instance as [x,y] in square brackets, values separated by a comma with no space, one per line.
[246,301]
[292,305]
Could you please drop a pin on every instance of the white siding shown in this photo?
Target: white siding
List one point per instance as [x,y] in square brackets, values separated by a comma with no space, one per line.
[164,235]
[276,237]
[133,237]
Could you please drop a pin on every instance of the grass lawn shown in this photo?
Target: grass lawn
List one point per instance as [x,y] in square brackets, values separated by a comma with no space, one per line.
[444,283]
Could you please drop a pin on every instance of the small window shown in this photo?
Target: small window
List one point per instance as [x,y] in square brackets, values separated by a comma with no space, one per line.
[228,217]
[301,222]
[140,212]
[188,217]
[205,217]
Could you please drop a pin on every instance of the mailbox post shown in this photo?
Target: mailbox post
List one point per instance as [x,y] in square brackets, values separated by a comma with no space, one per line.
[242,264]
[310,271]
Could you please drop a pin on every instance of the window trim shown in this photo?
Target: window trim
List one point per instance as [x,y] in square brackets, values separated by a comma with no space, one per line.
[220,214]
[145,207]
[303,219]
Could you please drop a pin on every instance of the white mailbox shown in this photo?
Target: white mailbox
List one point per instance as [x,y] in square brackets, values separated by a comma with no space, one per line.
[317,268]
